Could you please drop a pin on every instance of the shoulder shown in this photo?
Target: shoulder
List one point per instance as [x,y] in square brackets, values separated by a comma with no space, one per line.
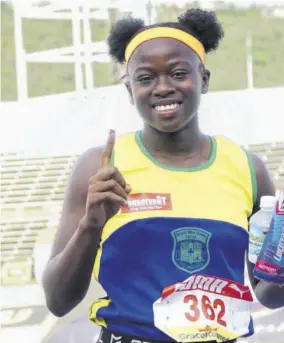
[233,153]
[88,162]
[261,180]
[228,145]
[86,166]
[264,181]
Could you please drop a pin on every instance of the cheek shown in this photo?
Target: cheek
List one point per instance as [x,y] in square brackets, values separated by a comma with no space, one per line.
[141,96]
[192,92]
[194,84]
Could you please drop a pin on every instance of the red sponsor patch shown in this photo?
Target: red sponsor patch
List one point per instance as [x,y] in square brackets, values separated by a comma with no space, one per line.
[210,284]
[147,202]
[267,267]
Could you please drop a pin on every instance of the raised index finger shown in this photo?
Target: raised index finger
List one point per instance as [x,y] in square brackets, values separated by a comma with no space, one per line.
[106,155]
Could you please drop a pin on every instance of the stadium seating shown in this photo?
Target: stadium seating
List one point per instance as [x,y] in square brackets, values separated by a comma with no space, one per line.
[40,183]
[29,183]
[34,180]
[273,155]
[18,237]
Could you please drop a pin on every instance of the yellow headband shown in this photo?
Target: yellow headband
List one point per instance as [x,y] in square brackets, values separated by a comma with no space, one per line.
[165,32]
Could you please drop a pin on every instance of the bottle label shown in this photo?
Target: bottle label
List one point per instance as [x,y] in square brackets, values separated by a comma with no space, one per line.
[256,238]
[270,263]
[267,267]
[278,257]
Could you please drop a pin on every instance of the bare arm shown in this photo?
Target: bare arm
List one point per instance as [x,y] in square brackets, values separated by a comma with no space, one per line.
[68,273]
[94,194]
[268,295]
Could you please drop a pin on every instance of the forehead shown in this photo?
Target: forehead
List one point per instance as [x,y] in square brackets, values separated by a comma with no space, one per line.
[161,51]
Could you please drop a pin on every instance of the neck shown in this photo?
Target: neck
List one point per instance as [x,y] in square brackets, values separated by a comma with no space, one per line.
[182,143]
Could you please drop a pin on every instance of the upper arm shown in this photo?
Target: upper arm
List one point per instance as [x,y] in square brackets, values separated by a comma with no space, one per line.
[75,198]
[265,186]
[264,181]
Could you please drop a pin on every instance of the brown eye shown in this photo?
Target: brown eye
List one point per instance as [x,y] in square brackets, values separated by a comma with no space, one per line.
[180,74]
[145,79]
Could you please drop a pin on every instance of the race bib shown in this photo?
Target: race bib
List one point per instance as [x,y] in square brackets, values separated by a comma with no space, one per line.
[204,308]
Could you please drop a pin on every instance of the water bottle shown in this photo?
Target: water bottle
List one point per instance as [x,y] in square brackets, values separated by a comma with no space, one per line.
[270,262]
[259,222]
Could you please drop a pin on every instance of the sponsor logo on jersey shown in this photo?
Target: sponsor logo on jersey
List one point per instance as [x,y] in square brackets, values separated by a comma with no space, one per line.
[147,202]
[211,284]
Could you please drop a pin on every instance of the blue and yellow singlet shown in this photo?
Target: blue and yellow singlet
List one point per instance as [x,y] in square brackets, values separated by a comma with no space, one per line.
[149,244]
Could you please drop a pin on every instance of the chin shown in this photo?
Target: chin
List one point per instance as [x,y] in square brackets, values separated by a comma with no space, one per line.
[167,128]
[169,125]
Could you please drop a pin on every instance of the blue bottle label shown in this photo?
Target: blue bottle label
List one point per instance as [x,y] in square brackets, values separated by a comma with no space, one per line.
[270,262]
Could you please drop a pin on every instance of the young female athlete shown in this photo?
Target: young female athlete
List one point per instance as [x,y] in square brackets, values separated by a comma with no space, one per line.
[166,230]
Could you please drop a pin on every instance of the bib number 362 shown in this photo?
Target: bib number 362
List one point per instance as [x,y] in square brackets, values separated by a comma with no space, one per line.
[210,311]
[204,308]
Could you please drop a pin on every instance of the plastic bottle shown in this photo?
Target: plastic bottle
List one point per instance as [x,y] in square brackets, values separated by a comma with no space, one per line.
[270,262]
[258,222]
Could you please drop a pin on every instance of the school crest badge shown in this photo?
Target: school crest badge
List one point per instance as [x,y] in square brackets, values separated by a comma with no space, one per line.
[191,249]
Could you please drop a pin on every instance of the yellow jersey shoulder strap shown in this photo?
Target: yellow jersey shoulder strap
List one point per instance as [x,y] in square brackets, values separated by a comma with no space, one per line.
[239,160]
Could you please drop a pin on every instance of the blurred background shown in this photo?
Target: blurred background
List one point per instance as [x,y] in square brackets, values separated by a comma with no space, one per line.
[60,94]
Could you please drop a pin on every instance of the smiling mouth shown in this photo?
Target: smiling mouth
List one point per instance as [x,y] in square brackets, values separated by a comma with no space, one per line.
[169,107]
[167,110]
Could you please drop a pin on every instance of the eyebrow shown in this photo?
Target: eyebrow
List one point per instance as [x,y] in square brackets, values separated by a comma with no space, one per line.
[145,67]
[173,63]
[170,64]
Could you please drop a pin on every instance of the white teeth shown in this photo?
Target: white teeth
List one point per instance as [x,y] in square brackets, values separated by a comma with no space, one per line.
[166,108]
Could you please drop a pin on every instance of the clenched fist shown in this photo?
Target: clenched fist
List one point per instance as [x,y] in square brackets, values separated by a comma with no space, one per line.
[107,191]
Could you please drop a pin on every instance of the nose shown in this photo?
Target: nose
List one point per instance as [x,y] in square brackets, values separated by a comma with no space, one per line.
[163,87]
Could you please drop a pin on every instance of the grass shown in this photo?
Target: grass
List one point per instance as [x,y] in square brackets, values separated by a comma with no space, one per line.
[44,78]
[227,65]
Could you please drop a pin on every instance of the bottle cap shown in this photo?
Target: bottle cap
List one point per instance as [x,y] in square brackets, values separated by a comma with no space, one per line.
[267,201]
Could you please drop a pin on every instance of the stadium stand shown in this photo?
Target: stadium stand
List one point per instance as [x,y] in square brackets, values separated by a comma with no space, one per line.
[18,237]
[273,155]
[34,180]
[29,182]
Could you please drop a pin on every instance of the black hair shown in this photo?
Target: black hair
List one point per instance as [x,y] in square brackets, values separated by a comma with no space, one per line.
[201,24]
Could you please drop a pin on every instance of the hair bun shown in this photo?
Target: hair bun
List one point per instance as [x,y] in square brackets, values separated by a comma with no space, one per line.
[204,25]
[121,34]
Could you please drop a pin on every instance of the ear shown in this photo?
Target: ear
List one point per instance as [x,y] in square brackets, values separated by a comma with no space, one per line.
[205,80]
[128,87]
